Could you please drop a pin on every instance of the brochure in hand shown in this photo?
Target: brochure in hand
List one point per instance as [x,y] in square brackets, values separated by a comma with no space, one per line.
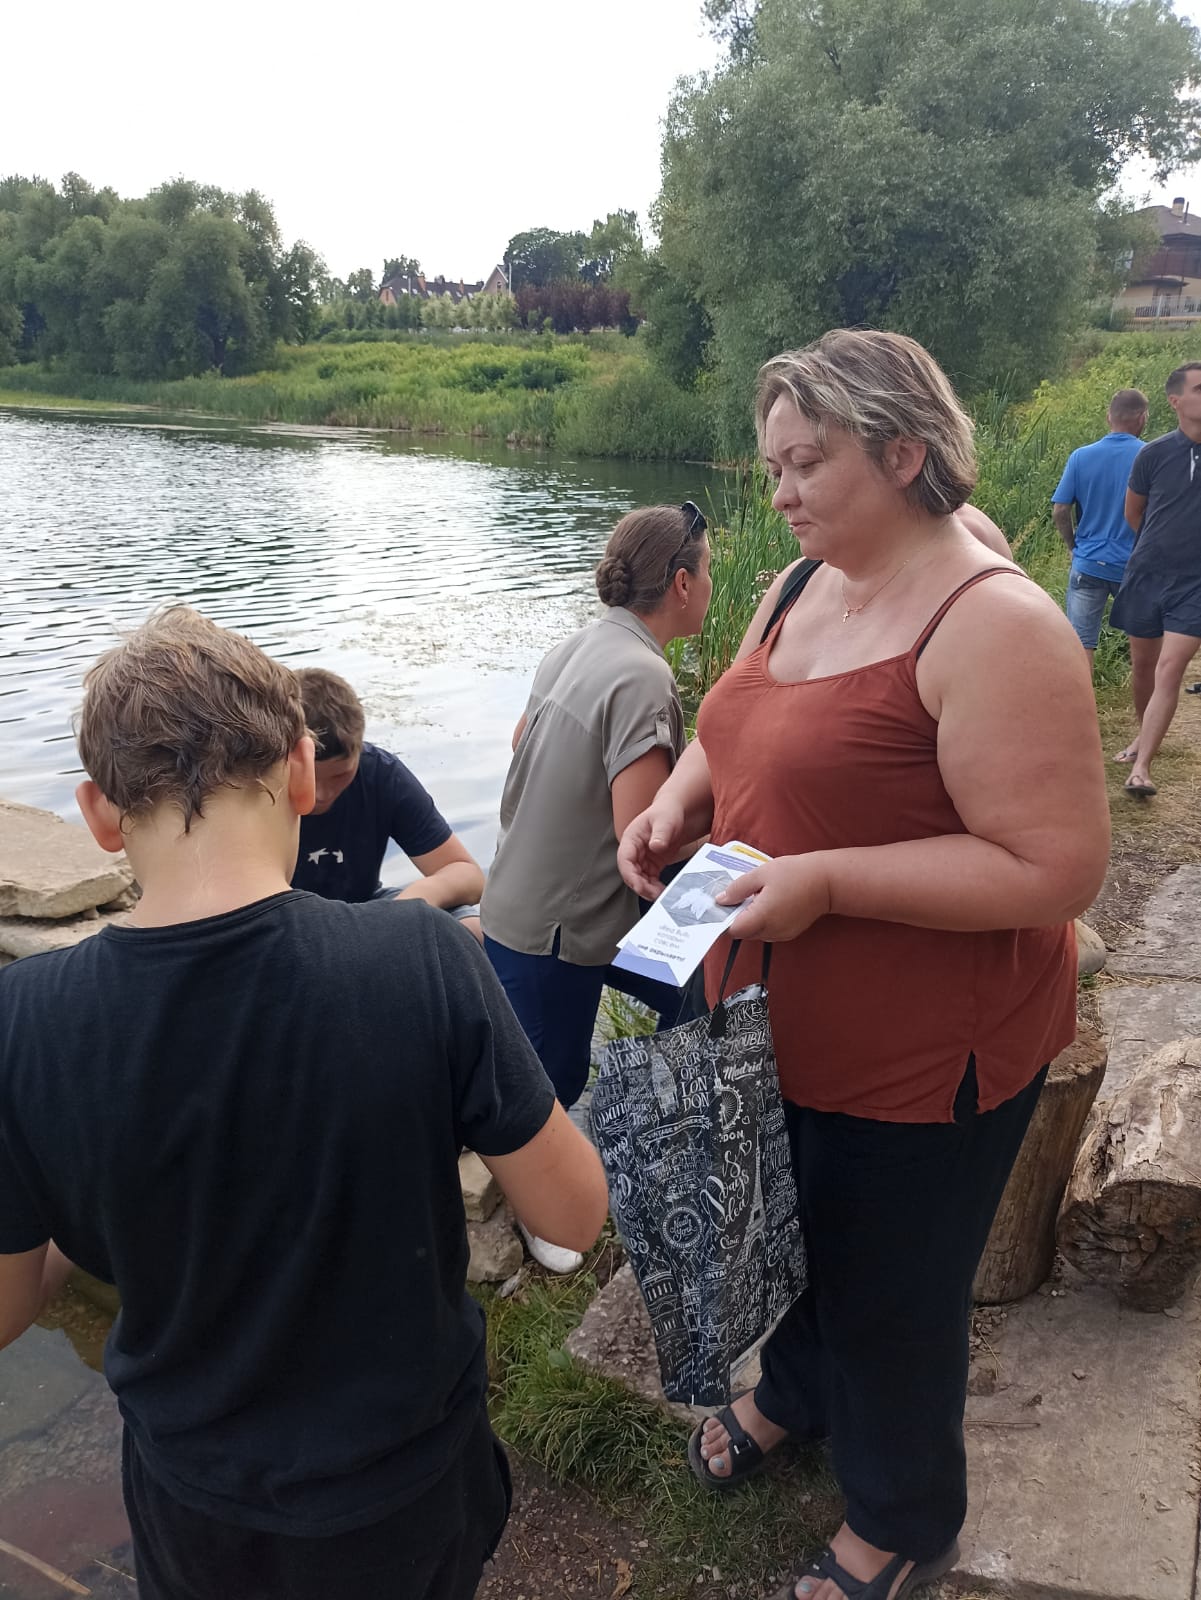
[672,939]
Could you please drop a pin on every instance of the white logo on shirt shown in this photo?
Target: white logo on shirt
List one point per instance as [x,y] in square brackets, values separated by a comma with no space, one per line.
[315,855]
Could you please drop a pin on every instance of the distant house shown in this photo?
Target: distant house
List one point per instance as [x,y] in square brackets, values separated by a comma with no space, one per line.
[497,282]
[417,286]
[1164,290]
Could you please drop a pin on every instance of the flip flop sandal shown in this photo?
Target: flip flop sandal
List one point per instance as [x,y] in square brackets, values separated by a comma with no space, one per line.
[826,1568]
[1140,791]
[745,1455]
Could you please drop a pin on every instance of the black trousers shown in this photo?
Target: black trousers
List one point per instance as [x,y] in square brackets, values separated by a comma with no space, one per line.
[874,1354]
[433,1549]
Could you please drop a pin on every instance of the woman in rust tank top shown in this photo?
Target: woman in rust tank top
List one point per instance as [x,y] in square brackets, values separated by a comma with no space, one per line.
[915,742]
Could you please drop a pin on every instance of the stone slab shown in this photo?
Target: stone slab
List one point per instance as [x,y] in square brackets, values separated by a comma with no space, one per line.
[31,936]
[52,868]
[1139,1019]
[60,1473]
[481,1192]
[1167,944]
[1083,1475]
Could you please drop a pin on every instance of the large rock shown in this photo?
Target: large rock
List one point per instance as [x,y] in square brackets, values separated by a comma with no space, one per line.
[32,936]
[496,1251]
[51,868]
[1091,954]
[481,1192]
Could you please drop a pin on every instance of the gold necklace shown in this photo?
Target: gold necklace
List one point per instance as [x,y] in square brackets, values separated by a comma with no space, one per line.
[850,611]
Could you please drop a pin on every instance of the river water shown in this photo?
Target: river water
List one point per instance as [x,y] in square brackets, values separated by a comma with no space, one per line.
[433,577]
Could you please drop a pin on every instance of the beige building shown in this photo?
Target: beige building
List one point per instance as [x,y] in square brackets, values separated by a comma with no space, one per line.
[1164,290]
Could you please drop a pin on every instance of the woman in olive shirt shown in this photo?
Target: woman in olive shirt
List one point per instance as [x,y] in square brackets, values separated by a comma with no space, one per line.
[601,732]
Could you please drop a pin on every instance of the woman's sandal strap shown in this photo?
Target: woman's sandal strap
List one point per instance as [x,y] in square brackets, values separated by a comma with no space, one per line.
[827,1567]
[742,1448]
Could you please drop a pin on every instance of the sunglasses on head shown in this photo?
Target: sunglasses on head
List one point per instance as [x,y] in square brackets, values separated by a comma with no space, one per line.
[696,523]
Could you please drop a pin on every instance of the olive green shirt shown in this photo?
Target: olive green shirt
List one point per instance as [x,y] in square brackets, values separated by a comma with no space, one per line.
[600,700]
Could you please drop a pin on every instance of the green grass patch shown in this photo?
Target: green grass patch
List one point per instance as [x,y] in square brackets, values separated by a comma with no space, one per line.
[586,1429]
[590,396]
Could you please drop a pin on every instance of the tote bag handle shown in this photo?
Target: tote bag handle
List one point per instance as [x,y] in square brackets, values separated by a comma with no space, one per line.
[717,1017]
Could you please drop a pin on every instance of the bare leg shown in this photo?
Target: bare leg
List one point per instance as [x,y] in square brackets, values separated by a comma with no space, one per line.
[1178,649]
[1144,657]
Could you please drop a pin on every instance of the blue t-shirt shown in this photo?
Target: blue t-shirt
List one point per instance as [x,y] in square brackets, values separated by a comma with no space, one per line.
[1095,479]
[342,850]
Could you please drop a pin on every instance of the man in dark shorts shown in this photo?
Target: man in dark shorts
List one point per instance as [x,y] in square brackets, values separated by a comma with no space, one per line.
[244,1107]
[1159,604]
[365,797]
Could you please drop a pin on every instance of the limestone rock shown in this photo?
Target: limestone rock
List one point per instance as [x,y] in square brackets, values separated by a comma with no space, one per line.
[496,1252]
[31,936]
[481,1192]
[1091,953]
[51,868]
[615,1339]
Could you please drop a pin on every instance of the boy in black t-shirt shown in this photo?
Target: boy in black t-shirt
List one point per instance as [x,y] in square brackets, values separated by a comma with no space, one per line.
[244,1108]
[365,796]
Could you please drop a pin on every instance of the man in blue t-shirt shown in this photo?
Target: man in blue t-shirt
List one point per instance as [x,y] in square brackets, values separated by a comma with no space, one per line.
[1088,509]
[365,797]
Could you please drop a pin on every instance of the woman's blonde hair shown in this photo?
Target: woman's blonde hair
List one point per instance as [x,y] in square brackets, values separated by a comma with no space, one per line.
[879,387]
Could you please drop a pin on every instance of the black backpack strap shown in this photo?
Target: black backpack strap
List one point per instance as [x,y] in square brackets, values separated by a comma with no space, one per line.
[796,581]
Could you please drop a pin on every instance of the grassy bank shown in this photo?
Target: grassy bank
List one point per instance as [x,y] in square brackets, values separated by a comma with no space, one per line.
[590,397]
[591,1431]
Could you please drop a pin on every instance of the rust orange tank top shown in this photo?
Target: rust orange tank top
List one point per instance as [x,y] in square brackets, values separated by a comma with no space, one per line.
[876,1019]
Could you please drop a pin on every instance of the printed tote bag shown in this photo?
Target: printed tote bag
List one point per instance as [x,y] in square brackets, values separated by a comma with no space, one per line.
[690,1128]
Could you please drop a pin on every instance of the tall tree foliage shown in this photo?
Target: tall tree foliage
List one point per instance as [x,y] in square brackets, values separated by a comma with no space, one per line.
[934,166]
[187,279]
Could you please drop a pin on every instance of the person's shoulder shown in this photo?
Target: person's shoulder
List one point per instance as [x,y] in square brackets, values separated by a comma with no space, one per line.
[1166,445]
[32,977]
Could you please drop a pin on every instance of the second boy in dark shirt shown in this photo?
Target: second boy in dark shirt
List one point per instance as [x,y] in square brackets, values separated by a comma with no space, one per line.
[365,798]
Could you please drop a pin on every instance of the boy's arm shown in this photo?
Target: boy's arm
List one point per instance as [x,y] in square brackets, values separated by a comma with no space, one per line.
[28,1281]
[555,1184]
[450,876]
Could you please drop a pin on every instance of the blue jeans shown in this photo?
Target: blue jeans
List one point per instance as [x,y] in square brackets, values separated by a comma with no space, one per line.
[1085,605]
[556,1003]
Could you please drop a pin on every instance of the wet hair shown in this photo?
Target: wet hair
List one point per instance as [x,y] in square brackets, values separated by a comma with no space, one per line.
[333,712]
[879,387]
[645,551]
[182,708]
[1175,378]
[1128,405]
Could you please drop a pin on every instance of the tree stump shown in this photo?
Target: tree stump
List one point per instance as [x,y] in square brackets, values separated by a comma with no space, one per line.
[1131,1217]
[1021,1245]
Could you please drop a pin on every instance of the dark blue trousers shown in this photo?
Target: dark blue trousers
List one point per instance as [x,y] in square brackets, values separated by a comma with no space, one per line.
[556,1003]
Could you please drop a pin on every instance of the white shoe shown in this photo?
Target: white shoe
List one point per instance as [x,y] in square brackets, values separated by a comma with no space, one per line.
[551,1256]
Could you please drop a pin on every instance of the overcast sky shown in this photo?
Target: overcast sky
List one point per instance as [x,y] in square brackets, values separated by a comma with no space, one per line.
[436,131]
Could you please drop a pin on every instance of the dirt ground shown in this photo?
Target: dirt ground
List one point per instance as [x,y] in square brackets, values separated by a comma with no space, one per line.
[560,1545]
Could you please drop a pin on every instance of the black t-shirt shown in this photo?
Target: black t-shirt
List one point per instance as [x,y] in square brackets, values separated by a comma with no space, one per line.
[1168,472]
[341,850]
[251,1124]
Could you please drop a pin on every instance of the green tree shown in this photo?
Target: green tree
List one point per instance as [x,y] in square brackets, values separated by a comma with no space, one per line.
[934,166]
[401,267]
[360,285]
[611,243]
[541,255]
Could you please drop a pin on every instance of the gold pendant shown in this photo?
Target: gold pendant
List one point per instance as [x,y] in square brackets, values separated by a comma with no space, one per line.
[846,616]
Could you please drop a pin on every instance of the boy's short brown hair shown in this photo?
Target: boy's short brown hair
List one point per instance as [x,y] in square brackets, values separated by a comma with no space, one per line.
[333,712]
[182,708]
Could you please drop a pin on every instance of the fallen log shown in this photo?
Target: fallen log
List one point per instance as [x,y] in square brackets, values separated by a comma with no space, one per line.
[1131,1217]
[1021,1245]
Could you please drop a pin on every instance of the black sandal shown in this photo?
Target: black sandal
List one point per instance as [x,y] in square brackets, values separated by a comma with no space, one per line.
[746,1456]
[826,1568]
